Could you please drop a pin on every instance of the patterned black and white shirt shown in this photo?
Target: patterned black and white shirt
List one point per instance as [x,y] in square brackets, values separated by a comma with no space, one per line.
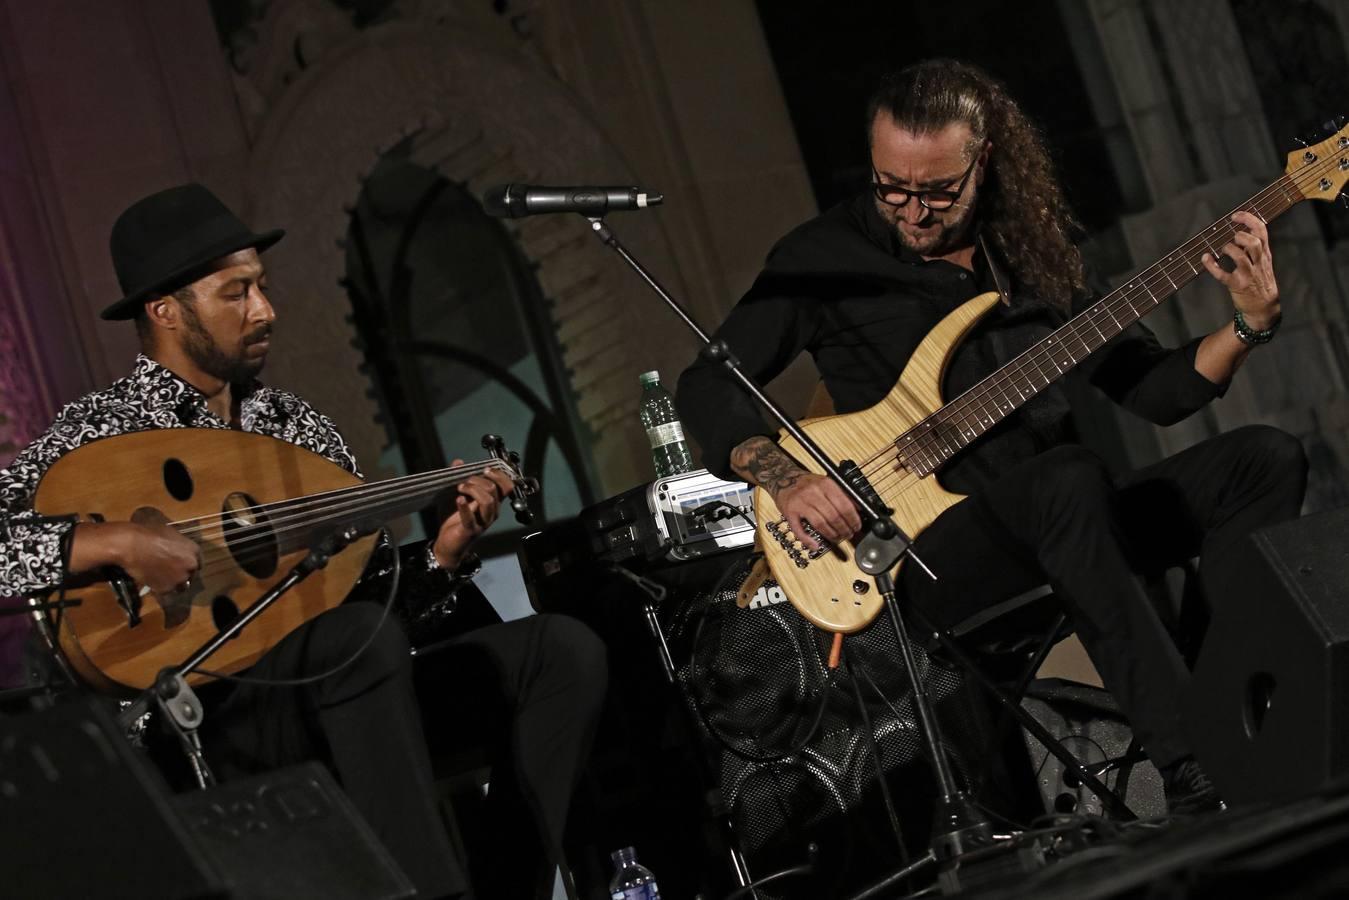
[32,555]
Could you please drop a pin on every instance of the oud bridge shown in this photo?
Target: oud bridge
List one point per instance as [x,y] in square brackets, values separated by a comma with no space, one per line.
[791,545]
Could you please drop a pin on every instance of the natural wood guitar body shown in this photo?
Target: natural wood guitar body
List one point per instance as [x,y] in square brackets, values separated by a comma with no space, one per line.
[180,474]
[830,590]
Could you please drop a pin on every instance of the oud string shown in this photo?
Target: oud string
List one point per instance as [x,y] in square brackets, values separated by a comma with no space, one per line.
[267,537]
[341,494]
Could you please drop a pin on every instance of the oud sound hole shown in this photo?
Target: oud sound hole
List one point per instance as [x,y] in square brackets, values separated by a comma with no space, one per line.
[223,612]
[177,480]
[249,535]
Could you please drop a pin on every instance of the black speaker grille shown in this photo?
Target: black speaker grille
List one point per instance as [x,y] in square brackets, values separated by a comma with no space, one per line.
[757,678]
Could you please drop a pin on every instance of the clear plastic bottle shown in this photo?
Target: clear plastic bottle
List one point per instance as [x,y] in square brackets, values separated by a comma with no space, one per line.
[631,880]
[669,450]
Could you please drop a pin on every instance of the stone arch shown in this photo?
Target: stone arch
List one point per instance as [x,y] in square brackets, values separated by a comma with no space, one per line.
[480,115]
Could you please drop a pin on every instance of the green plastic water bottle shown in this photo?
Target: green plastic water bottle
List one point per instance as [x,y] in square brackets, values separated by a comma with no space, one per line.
[669,450]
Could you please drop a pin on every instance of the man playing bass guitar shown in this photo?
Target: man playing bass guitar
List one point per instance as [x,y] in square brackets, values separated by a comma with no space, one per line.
[196,287]
[963,200]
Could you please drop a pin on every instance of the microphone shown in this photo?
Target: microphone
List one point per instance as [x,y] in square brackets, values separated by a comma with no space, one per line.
[515,200]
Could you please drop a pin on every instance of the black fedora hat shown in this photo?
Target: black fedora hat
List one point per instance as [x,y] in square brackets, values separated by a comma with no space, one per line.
[169,239]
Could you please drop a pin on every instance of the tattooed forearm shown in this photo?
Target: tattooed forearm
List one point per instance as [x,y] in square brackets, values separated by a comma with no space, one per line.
[761,461]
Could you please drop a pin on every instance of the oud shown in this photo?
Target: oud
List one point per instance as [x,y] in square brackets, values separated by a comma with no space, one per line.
[900,444]
[255,505]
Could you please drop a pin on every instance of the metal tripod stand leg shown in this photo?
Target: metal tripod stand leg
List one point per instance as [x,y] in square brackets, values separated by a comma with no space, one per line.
[958,825]
[184,713]
[1111,801]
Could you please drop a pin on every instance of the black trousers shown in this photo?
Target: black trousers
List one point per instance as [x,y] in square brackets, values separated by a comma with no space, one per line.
[1062,518]
[546,675]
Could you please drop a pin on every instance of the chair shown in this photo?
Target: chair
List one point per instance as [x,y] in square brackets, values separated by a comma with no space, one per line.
[981,644]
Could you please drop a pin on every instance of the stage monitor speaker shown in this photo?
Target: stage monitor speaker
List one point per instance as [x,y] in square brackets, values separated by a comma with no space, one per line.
[291,833]
[1268,706]
[1088,722]
[82,815]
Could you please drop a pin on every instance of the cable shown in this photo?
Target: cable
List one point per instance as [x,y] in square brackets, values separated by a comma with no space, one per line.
[1076,860]
[657,592]
[895,710]
[703,716]
[872,742]
[310,679]
[746,889]
[707,509]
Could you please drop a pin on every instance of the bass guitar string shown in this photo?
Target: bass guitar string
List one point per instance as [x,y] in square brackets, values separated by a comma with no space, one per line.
[986,402]
[1038,354]
[1302,179]
[925,444]
[1205,239]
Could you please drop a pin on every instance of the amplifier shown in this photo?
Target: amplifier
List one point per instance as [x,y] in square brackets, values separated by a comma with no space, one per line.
[697,514]
[671,520]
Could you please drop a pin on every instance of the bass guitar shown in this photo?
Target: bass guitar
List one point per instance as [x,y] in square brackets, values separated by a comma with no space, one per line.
[255,505]
[900,444]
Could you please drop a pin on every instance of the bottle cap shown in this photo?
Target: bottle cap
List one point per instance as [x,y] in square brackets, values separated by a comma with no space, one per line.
[651,377]
[626,855]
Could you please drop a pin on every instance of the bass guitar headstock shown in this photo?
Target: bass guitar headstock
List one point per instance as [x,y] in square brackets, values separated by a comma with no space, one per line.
[1321,170]
[525,486]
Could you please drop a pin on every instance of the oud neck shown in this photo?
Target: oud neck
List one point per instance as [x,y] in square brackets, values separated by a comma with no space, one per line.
[952,427]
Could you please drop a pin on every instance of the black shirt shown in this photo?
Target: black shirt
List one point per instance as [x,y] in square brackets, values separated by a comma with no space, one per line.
[842,287]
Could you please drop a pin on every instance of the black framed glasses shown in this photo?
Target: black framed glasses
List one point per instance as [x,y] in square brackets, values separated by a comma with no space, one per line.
[936,200]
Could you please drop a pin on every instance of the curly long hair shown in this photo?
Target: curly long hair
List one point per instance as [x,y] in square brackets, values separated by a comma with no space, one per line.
[1022,209]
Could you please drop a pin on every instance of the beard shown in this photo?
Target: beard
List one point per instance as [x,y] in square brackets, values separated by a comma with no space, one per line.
[942,233]
[214,360]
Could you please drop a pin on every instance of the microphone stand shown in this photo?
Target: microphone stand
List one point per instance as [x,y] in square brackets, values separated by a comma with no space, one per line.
[958,824]
[171,693]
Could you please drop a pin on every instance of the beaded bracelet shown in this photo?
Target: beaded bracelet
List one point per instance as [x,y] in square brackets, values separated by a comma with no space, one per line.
[1249,336]
[467,569]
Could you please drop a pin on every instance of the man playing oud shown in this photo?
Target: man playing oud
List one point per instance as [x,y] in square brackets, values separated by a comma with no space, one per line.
[964,200]
[195,285]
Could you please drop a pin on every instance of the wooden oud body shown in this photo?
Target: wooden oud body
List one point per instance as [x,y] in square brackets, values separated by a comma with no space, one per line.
[830,590]
[172,475]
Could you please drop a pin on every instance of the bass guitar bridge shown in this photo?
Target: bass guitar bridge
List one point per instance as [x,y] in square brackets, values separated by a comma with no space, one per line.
[781,532]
